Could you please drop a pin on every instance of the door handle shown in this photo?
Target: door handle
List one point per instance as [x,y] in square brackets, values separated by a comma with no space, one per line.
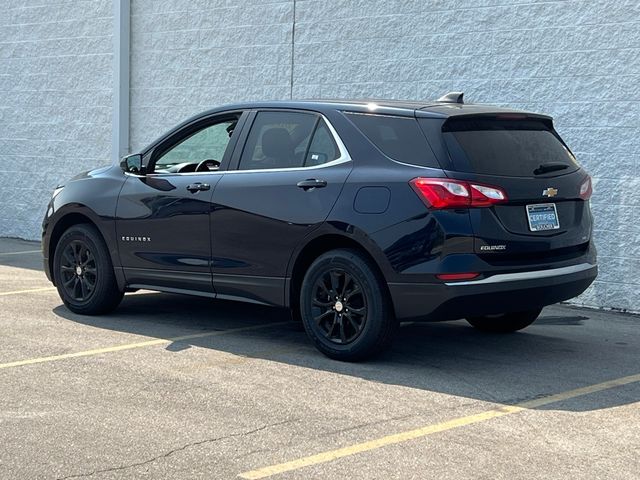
[310,183]
[198,187]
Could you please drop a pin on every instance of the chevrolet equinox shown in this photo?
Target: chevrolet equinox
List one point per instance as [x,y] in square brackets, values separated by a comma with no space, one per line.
[355,215]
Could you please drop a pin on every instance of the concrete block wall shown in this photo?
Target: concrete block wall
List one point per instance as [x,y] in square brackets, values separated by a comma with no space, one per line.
[577,60]
[55,102]
[190,55]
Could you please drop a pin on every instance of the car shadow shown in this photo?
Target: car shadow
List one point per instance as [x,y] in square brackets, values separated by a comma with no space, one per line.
[31,260]
[451,358]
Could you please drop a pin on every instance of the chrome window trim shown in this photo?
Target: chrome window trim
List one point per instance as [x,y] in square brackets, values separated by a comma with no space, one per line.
[343,158]
[154,174]
[530,275]
[332,163]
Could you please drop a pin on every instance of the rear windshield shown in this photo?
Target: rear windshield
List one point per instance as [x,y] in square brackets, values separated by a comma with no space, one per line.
[508,147]
[399,138]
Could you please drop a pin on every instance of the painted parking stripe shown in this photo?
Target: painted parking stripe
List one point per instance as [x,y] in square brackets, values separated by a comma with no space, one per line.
[501,411]
[131,346]
[31,290]
[20,253]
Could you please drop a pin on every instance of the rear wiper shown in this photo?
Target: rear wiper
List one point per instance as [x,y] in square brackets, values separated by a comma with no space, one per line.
[549,167]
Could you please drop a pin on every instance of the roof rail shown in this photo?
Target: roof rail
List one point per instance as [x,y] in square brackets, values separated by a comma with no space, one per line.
[452,97]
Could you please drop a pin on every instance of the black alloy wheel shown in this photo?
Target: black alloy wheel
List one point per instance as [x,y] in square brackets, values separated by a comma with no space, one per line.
[83,272]
[345,306]
[78,271]
[339,306]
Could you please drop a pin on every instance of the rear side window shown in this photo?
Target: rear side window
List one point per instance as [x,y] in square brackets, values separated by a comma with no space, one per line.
[506,147]
[399,138]
[323,147]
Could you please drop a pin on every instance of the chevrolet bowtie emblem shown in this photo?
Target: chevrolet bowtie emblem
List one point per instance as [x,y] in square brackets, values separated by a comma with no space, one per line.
[549,192]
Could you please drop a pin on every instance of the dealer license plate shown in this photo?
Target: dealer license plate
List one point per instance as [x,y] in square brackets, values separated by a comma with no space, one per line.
[542,216]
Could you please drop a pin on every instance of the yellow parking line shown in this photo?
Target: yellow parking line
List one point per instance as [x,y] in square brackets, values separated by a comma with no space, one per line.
[130,346]
[431,429]
[31,290]
[20,253]
[579,392]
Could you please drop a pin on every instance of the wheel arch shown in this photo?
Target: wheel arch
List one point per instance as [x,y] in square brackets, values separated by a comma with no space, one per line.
[76,216]
[312,250]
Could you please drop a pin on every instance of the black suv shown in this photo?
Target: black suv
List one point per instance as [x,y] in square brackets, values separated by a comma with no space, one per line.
[354,214]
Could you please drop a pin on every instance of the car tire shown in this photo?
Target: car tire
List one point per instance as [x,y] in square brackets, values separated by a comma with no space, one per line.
[505,322]
[83,272]
[345,307]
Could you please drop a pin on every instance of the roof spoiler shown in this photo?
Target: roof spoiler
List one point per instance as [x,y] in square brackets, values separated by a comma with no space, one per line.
[452,97]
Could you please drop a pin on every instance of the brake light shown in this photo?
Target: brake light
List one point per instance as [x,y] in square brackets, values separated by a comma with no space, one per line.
[439,193]
[485,196]
[456,276]
[586,189]
[511,116]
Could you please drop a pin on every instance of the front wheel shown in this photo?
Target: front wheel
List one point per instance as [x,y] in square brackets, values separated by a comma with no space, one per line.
[83,272]
[345,307]
[505,322]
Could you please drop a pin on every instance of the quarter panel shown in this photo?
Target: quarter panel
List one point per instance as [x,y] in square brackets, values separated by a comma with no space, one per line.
[407,238]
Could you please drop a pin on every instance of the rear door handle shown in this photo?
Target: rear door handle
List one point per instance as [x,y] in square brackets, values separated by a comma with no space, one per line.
[198,187]
[310,183]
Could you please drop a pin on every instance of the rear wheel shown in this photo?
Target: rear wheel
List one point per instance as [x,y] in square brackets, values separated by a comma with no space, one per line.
[345,308]
[83,272]
[505,322]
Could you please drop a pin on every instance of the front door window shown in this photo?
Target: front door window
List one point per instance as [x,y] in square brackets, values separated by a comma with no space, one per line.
[200,152]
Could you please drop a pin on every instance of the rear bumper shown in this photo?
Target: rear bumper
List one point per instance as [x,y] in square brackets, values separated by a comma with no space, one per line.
[494,294]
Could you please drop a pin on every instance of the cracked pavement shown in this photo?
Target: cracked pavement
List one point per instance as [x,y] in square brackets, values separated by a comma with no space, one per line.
[171,452]
[214,407]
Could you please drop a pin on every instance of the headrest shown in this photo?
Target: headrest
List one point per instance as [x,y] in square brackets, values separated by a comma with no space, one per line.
[276,142]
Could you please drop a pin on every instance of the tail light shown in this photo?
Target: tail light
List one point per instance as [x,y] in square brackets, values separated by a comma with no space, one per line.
[441,193]
[586,189]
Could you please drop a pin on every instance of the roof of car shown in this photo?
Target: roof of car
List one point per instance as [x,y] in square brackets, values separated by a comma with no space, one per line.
[433,109]
[388,107]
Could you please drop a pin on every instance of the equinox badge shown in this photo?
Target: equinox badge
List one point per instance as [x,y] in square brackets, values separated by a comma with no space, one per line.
[549,192]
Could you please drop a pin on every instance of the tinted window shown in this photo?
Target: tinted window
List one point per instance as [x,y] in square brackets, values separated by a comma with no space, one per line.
[399,138]
[507,147]
[287,140]
[209,143]
[323,147]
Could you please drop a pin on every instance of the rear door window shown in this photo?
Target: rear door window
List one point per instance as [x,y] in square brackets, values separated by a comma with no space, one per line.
[399,138]
[285,139]
[506,147]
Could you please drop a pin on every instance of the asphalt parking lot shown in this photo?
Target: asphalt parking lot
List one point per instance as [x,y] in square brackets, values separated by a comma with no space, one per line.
[179,387]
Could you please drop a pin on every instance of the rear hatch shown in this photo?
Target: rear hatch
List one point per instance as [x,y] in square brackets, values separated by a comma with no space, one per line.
[545,213]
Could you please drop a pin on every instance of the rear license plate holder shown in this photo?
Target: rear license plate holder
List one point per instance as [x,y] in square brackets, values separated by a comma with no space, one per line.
[543,217]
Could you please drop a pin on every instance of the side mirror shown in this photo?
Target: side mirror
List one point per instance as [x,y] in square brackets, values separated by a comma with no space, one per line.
[132,164]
